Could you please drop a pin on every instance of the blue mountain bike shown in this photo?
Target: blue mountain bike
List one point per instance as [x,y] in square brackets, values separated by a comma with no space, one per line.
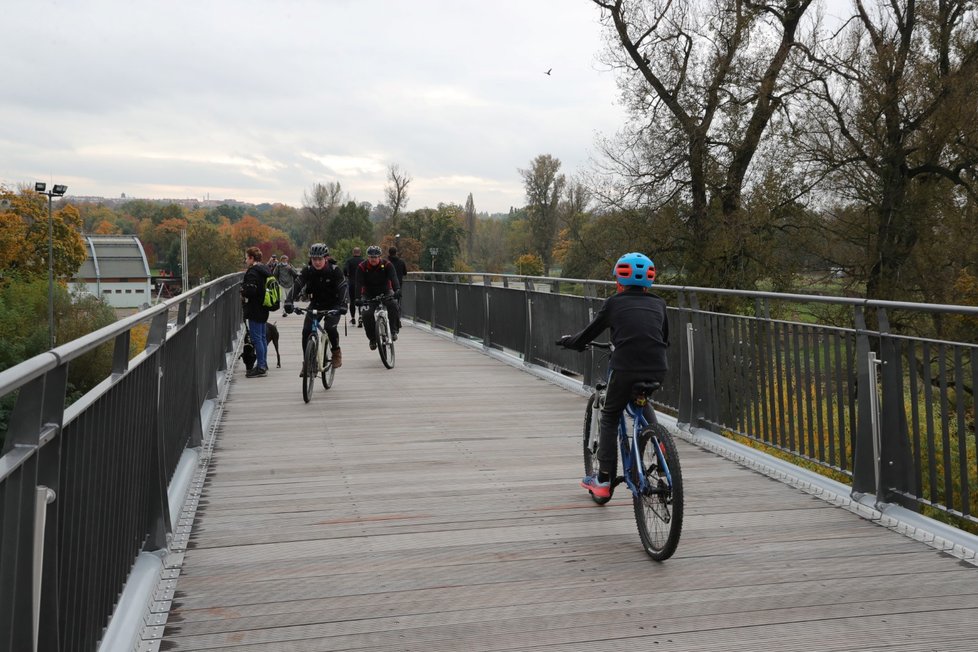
[650,466]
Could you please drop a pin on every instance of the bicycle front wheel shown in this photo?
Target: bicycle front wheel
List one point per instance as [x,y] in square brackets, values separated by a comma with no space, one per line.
[592,426]
[385,345]
[659,510]
[311,367]
[329,371]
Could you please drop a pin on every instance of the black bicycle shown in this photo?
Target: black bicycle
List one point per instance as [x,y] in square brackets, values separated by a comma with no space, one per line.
[650,466]
[318,357]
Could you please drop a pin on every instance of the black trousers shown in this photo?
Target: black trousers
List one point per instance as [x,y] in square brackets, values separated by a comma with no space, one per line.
[617,395]
[329,323]
[370,324]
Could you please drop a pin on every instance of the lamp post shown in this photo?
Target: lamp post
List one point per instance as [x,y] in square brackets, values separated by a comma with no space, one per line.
[434,254]
[58,190]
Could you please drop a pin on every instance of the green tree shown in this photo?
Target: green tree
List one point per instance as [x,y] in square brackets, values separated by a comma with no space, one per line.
[210,253]
[352,222]
[544,189]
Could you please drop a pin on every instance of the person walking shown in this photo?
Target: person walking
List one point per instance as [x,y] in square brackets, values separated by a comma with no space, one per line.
[350,272]
[253,295]
[400,267]
[286,275]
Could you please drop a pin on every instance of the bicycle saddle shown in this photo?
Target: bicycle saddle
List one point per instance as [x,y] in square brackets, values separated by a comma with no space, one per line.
[645,388]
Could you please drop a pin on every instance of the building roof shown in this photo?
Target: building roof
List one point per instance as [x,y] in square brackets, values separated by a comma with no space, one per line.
[114,256]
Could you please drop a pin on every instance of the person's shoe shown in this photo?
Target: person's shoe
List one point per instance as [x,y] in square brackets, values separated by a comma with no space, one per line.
[262,371]
[337,358]
[394,335]
[302,372]
[354,321]
[373,345]
[251,373]
[599,489]
[360,324]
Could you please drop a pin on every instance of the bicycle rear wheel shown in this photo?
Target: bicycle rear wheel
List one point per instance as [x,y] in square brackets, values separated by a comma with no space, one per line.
[385,346]
[311,366]
[329,371]
[659,511]
[592,421]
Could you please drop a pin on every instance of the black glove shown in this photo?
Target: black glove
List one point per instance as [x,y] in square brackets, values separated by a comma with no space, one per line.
[289,309]
[397,294]
[564,339]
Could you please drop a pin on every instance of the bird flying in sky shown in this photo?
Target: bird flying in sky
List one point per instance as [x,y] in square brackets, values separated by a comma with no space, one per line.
[548,71]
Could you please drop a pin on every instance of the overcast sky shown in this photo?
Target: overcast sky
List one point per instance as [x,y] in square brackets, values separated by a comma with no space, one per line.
[258,99]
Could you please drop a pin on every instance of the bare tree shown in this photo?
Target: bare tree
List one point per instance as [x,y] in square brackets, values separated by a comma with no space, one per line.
[544,188]
[894,122]
[396,192]
[320,205]
[702,80]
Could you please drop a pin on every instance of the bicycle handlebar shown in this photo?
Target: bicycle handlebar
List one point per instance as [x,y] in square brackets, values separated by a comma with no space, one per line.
[315,313]
[589,345]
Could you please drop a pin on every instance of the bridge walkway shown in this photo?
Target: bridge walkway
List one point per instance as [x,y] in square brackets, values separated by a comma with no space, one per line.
[435,507]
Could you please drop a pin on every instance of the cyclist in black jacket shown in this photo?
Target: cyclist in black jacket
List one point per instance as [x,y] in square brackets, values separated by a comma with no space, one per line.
[376,278]
[325,285]
[640,335]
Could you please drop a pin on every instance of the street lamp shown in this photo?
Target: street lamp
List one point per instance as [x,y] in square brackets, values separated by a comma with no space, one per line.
[57,190]
[434,253]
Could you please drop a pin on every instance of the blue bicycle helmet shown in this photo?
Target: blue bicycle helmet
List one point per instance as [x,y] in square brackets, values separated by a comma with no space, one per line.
[635,269]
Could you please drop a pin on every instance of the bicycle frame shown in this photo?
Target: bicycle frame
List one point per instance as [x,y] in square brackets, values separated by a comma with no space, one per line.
[631,457]
[321,338]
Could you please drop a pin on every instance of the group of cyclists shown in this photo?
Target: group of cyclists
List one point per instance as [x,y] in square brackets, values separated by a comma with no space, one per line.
[635,316]
[328,287]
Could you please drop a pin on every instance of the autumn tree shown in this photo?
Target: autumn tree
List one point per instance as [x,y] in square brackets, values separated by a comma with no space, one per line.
[24,237]
[544,187]
[702,81]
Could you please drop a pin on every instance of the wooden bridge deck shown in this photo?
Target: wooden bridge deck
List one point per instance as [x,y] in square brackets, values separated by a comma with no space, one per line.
[435,507]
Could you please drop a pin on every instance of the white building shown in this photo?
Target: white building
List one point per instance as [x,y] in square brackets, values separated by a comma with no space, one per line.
[116,269]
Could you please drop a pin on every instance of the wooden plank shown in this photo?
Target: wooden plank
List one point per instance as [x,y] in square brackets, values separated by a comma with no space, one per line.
[435,506]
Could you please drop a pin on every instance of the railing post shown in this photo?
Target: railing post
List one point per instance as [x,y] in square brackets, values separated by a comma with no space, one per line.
[873,404]
[895,460]
[864,469]
[486,293]
[528,331]
[43,497]
[159,504]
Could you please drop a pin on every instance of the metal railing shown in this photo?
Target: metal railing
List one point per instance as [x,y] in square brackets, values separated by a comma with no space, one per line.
[83,489]
[893,412]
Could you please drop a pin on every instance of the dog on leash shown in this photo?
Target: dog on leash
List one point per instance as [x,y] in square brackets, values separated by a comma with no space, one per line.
[248,355]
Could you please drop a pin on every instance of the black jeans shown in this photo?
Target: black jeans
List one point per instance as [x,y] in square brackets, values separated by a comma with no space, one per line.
[329,323]
[617,395]
[370,324]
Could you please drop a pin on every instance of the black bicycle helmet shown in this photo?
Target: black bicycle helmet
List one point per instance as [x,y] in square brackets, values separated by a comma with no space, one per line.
[318,250]
[373,250]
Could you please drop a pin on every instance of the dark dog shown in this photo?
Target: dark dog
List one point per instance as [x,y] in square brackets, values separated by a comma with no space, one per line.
[248,355]
[271,334]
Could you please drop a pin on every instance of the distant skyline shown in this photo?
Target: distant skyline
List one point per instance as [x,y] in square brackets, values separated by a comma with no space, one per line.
[257,101]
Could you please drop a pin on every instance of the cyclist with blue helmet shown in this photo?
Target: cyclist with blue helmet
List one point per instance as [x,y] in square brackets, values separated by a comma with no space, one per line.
[640,335]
